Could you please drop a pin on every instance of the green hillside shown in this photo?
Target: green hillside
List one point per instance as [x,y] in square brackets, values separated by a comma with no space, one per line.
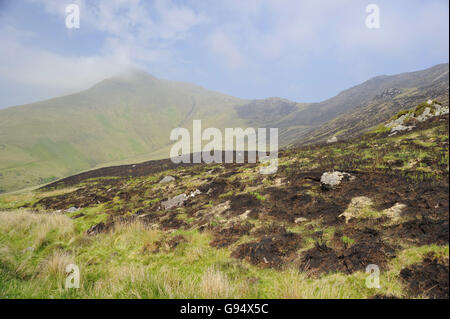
[118,118]
[129,118]
[239,234]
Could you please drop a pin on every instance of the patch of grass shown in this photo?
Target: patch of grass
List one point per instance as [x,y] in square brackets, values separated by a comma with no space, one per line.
[348,241]
[116,265]
[258,196]
[227,194]
[380,129]
[399,114]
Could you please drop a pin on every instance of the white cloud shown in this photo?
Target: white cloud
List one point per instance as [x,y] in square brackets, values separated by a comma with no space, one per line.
[270,31]
[136,32]
[31,65]
[252,36]
[225,50]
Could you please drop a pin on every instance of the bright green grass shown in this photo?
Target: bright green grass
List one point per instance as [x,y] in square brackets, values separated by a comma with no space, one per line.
[117,265]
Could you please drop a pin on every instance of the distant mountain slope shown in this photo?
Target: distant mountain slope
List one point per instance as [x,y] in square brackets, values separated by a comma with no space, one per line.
[366,92]
[362,119]
[355,110]
[118,118]
[130,117]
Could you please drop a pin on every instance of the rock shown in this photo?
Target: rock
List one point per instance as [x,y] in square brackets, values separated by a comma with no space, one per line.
[398,124]
[332,140]
[244,216]
[330,180]
[174,201]
[389,93]
[426,114]
[400,128]
[241,217]
[441,110]
[167,179]
[412,163]
[395,211]
[300,220]
[398,121]
[195,193]
[357,207]
[215,211]
[72,209]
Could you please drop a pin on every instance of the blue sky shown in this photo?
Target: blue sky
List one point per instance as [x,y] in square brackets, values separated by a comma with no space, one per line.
[301,50]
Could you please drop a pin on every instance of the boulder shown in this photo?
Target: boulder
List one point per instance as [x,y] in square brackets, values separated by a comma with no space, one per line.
[357,207]
[330,180]
[195,193]
[176,201]
[400,128]
[441,110]
[72,209]
[332,140]
[398,121]
[426,114]
[395,211]
[300,220]
[167,179]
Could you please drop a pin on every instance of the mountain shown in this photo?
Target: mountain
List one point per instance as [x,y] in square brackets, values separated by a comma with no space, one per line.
[357,109]
[118,118]
[128,118]
[159,230]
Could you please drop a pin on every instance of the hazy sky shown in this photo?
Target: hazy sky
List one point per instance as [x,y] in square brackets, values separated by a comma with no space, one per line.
[301,50]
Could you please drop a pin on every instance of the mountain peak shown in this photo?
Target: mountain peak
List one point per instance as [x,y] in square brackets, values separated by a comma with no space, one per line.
[132,77]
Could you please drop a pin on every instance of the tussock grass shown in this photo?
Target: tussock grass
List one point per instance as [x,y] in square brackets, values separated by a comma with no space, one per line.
[215,284]
[116,265]
[55,264]
[35,228]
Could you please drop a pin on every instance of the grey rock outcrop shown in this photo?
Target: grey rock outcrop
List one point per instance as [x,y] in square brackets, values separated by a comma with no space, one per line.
[332,140]
[330,180]
[167,179]
[176,201]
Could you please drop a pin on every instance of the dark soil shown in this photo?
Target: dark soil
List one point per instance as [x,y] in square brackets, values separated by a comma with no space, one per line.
[227,236]
[271,251]
[244,201]
[367,248]
[423,231]
[430,277]
[172,222]
[321,259]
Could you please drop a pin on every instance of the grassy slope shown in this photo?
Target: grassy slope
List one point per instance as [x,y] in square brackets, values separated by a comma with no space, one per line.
[130,117]
[117,119]
[123,263]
